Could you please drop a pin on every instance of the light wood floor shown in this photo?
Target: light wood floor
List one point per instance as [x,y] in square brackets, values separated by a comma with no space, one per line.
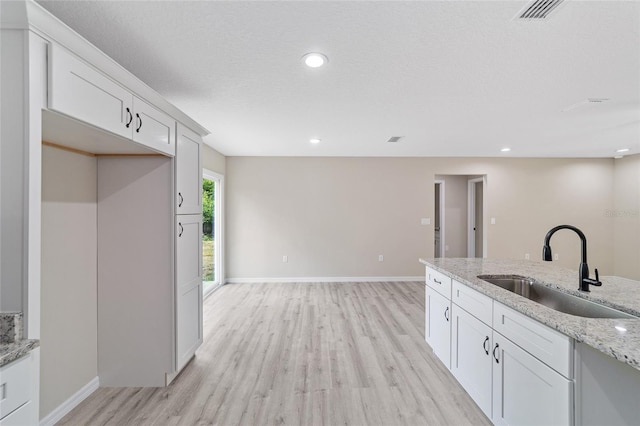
[301,354]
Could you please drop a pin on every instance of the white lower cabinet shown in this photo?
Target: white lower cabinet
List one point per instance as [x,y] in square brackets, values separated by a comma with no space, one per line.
[188,287]
[19,391]
[438,324]
[471,344]
[527,391]
[516,369]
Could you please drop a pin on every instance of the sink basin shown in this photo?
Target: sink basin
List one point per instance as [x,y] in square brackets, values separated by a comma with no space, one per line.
[552,298]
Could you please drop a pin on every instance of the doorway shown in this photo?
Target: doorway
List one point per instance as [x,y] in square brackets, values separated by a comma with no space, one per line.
[475,215]
[212,238]
[439,217]
[460,215]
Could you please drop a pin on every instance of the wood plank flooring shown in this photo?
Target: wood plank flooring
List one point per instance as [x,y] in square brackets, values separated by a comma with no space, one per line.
[301,354]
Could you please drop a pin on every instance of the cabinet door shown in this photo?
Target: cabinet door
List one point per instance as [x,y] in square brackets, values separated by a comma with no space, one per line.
[471,344]
[438,326]
[153,128]
[525,390]
[188,287]
[188,172]
[79,91]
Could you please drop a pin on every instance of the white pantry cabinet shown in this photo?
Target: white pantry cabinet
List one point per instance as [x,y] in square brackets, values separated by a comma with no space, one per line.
[525,390]
[80,91]
[188,172]
[438,324]
[471,344]
[188,287]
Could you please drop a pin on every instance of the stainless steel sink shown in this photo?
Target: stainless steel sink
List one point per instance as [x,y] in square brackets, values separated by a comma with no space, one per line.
[552,298]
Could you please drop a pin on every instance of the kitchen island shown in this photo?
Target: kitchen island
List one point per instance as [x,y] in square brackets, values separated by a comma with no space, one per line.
[515,356]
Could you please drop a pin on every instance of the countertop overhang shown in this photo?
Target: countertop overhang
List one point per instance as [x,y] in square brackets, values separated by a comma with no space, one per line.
[619,338]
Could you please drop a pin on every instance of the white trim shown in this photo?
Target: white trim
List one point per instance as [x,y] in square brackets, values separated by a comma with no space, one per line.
[72,402]
[321,279]
[219,223]
[471,215]
[442,215]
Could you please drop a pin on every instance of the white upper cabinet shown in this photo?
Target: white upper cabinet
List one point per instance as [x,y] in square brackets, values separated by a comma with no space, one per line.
[153,127]
[80,91]
[188,172]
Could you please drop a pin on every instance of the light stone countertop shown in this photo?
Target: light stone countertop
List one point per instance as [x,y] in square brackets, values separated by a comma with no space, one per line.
[10,352]
[12,345]
[622,343]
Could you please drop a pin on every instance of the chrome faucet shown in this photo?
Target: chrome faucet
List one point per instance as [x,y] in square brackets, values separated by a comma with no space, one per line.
[583,277]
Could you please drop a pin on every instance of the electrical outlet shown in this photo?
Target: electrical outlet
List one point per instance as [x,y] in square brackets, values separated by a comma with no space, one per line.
[380,258]
[425,221]
[556,256]
[526,256]
[285,258]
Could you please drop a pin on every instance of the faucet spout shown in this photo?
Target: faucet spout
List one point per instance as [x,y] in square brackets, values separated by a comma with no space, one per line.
[583,270]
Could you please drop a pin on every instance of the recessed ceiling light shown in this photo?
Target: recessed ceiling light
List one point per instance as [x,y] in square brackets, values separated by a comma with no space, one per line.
[622,150]
[315,60]
[505,149]
[314,140]
[617,157]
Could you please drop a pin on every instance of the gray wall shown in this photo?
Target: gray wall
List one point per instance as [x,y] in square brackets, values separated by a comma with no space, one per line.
[69,276]
[334,216]
[625,216]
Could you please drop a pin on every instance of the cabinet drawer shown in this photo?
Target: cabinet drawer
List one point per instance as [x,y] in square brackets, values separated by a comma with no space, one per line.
[477,304]
[439,282]
[15,385]
[547,345]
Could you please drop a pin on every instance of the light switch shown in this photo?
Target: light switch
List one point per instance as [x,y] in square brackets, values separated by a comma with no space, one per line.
[380,258]
[493,220]
[425,221]
[285,258]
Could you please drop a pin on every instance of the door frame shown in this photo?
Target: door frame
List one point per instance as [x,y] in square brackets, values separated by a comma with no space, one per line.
[471,216]
[440,182]
[218,214]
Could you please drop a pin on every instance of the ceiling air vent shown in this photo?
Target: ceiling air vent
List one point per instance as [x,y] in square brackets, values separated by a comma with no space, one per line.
[394,139]
[539,9]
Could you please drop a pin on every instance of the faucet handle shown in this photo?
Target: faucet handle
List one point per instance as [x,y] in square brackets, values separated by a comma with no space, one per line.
[597,282]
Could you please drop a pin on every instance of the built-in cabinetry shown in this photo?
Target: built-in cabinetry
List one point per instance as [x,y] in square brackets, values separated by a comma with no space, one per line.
[80,91]
[510,365]
[19,390]
[188,200]
[67,94]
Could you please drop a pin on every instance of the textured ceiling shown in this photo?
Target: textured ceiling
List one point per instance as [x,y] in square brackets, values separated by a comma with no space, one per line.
[454,78]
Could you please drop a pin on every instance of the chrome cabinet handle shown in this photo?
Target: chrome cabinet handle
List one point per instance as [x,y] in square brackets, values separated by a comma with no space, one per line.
[484,345]
[495,348]
[181,229]
[130,118]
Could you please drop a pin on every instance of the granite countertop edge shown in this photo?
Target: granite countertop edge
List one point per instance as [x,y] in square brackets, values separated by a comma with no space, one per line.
[602,334]
[10,352]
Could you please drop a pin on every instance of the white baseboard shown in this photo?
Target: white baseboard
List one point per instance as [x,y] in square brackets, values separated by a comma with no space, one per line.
[321,279]
[74,400]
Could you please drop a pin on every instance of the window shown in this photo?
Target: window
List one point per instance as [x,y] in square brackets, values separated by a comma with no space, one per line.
[212,264]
